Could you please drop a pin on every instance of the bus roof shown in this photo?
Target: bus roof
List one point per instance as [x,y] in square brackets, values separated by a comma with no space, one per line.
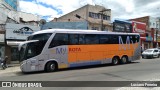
[80,31]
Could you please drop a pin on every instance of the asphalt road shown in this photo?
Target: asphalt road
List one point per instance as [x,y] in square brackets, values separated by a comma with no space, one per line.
[141,70]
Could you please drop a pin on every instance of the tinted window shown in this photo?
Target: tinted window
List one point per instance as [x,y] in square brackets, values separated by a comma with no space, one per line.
[73,39]
[134,38]
[124,39]
[92,39]
[34,49]
[114,39]
[104,39]
[59,39]
[43,36]
[81,39]
[155,50]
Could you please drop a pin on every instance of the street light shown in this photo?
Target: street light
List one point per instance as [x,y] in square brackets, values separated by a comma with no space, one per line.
[102,13]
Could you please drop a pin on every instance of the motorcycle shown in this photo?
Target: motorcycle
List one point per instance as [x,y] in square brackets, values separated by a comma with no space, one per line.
[3,64]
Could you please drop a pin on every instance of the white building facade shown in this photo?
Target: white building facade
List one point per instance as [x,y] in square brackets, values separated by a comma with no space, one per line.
[11,20]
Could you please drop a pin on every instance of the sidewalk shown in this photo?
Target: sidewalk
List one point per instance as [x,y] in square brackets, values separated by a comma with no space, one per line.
[12,68]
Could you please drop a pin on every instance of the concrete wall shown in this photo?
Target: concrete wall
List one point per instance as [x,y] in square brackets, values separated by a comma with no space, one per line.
[84,13]
[71,16]
[65,25]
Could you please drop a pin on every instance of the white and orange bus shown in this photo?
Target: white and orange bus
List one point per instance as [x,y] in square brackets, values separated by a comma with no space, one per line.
[60,48]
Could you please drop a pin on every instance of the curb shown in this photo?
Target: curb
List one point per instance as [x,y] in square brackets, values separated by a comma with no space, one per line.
[12,69]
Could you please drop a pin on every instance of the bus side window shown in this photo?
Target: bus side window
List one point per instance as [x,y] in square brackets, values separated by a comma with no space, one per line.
[81,38]
[59,39]
[114,39]
[104,39]
[124,39]
[134,38]
[73,39]
[92,39]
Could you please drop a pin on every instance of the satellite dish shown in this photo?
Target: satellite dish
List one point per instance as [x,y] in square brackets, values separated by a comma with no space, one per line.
[42,21]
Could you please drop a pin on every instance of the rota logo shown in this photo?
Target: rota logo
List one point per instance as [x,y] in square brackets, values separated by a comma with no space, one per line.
[74,49]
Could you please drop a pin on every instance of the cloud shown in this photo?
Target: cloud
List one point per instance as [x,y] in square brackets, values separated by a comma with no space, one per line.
[32,7]
[65,6]
[123,9]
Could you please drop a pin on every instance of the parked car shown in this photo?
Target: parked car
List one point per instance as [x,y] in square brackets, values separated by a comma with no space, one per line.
[159,51]
[151,53]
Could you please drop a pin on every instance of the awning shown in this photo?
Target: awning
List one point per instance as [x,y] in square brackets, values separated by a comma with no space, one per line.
[14,43]
[143,38]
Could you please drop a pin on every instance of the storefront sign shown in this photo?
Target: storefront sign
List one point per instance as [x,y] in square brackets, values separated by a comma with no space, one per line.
[19,31]
[139,27]
[1,37]
[122,27]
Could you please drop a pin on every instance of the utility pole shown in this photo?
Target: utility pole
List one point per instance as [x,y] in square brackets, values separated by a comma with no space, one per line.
[158,32]
[156,38]
[102,15]
[158,27]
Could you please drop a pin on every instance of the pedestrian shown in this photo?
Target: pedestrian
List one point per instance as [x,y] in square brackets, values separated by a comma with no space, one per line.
[5,61]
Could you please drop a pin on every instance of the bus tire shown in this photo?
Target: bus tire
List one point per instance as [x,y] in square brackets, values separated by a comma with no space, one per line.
[115,60]
[124,60]
[51,66]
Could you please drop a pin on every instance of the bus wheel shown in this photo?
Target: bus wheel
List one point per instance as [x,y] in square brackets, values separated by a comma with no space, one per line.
[124,60]
[51,66]
[115,60]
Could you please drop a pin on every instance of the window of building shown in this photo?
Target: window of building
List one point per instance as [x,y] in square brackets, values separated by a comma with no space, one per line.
[105,17]
[95,28]
[94,15]
[98,16]
[15,54]
[153,24]
[12,3]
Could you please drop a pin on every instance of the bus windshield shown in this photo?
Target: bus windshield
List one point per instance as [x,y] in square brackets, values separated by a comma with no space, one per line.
[44,36]
[31,49]
[22,52]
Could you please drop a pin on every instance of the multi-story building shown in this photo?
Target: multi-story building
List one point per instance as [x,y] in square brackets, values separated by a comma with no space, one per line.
[152,31]
[97,17]
[11,22]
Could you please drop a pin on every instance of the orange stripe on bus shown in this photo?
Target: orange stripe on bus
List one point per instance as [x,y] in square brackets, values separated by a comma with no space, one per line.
[80,53]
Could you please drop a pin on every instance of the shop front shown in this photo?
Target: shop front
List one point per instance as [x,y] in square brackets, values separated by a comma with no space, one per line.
[2,46]
[156,39]
[146,42]
[16,34]
[139,27]
[157,43]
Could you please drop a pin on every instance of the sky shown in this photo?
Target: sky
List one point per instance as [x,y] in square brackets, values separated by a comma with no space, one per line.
[120,9]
